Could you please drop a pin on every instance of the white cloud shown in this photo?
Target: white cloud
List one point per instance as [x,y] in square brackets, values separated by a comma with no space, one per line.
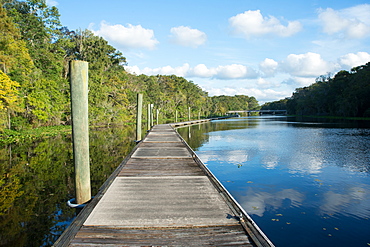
[202,71]
[306,65]
[127,37]
[186,36]
[300,81]
[353,23]
[351,60]
[269,67]
[51,3]
[233,71]
[252,23]
[166,70]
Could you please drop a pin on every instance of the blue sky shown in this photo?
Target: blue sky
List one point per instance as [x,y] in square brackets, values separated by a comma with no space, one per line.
[264,49]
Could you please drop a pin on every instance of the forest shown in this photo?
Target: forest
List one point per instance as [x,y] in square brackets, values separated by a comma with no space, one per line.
[35,52]
[347,94]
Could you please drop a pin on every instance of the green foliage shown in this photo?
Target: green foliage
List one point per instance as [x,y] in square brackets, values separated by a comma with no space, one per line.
[275,105]
[36,51]
[222,104]
[345,95]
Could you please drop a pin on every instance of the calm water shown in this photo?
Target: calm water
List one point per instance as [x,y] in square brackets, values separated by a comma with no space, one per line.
[304,183]
[37,179]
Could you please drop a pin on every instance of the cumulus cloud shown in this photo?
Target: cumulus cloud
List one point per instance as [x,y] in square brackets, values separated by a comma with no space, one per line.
[224,72]
[202,71]
[351,60]
[233,71]
[127,37]
[353,23]
[252,23]
[306,65]
[186,36]
[269,67]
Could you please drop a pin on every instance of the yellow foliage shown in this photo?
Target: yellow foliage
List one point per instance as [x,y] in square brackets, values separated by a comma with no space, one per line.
[8,91]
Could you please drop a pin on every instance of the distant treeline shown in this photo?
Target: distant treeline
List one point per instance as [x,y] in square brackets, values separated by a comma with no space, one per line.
[35,51]
[345,95]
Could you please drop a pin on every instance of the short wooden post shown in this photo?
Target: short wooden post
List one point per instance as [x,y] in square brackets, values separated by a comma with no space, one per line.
[139,114]
[199,115]
[80,129]
[176,116]
[157,119]
[149,117]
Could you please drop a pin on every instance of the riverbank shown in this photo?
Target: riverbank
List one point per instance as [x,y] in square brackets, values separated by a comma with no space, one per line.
[13,136]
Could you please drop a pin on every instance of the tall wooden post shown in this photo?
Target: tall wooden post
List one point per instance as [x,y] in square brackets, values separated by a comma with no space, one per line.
[176,116]
[80,129]
[139,114]
[189,117]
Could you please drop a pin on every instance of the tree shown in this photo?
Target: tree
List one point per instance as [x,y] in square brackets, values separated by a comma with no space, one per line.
[345,95]
[8,98]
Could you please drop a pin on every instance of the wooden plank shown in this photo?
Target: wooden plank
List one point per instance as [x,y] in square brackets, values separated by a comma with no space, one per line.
[162,144]
[202,236]
[161,152]
[161,167]
[161,202]
[161,138]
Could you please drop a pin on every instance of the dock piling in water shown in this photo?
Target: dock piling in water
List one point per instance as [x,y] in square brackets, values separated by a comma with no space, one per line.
[80,129]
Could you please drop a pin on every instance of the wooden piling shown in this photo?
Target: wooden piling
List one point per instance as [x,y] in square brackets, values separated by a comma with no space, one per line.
[139,113]
[80,129]
[149,117]
[157,118]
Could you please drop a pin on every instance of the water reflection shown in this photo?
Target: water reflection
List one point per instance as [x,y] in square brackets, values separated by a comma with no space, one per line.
[306,183]
[37,180]
[257,202]
[353,201]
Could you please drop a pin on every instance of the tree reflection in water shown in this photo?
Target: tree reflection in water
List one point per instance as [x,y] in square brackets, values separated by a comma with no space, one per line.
[38,180]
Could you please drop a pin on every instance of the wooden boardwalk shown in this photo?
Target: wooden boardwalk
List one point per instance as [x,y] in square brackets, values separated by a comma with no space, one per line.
[162,195]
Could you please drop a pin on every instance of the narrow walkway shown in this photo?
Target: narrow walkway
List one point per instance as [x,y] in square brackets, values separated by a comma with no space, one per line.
[162,197]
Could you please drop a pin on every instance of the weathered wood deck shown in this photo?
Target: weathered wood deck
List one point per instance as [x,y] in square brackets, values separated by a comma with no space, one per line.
[163,196]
